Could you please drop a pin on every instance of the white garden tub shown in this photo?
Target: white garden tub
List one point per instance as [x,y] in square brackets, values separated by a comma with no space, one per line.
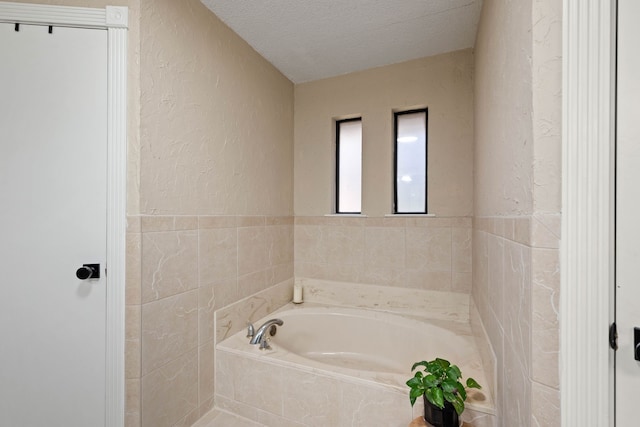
[348,346]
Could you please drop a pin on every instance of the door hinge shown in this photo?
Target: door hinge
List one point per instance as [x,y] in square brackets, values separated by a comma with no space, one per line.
[613,336]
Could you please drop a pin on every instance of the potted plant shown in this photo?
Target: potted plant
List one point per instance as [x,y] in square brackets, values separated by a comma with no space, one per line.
[443,393]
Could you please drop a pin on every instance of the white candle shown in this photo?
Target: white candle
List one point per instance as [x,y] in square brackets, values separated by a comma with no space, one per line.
[297,293]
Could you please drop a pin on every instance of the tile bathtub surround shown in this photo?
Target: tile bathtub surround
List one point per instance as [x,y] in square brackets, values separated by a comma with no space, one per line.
[277,391]
[431,253]
[516,296]
[181,269]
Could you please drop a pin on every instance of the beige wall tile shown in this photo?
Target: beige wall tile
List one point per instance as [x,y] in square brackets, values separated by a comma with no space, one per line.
[461,249]
[517,390]
[517,299]
[169,329]
[206,307]
[169,263]
[170,392]
[132,403]
[261,386]
[252,250]
[309,244]
[344,245]
[495,280]
[225,292]
[279,220]
[461,282]
[279,273]
[234,317]
[480,269]
[545,406]
[251,221]
[313,400]
[429,249]
[206,375]
[218,221]
[133,274]
[150,223]
[218,254]
[431,280]
[545,231]
[225,376]
[252,283]
[279,244]
[132,341]
[545,300]
[133,224]
[374,407]
[384,247]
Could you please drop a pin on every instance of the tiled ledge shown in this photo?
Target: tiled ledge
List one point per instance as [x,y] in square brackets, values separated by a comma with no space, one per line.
[541,230]
[153,223]
[387,221]
[439,305]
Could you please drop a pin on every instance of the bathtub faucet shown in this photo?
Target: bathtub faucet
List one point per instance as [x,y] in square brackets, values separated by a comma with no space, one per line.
[263,333]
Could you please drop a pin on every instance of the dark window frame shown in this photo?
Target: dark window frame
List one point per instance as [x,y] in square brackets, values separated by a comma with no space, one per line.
[396,115]
[337,199]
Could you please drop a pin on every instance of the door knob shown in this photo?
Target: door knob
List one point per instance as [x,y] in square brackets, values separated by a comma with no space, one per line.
[88,271]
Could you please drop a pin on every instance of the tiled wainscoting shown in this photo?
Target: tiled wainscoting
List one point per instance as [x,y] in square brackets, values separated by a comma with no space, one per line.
[516,288]
[180,269]
[431,253]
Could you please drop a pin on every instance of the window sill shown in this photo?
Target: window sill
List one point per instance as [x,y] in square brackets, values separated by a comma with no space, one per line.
[348,215]
[410,215]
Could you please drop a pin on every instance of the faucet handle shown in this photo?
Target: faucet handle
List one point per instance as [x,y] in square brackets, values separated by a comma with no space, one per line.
[264,344]
[250,330]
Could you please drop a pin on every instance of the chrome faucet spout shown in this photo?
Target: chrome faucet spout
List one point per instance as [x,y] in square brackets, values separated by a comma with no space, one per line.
[261,335]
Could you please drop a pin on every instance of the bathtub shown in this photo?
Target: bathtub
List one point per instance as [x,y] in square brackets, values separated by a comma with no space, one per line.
[356,361]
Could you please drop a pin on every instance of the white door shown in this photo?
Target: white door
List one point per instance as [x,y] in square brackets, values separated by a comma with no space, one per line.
[53,144]
[628,214]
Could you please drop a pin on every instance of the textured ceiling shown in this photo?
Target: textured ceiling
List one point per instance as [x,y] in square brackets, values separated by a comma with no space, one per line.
[313,39]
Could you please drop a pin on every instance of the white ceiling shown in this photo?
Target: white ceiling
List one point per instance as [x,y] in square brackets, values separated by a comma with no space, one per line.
[313,39]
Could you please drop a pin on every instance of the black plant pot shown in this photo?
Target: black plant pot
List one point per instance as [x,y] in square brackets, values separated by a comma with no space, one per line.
[446,417]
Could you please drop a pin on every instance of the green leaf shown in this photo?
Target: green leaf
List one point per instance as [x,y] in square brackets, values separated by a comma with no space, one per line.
[414,382]
[458,404]
[416,392]
[461,391]
[454,372]
[449,397]
[449,386]
[431,381]
[436,397]
[471,383]
[435,368]
[412,400]
[415,365]
[444,364]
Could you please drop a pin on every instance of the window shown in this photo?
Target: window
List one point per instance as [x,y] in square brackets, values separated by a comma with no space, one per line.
[349,166]
[410,158]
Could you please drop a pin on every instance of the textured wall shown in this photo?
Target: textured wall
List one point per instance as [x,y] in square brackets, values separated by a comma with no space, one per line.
[216,118]
[503,109]
[216,194]
[516,228]
[444,83]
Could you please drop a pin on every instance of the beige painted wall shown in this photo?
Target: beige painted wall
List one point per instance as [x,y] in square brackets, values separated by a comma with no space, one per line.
[216,118]
[443,83]
[503,109]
